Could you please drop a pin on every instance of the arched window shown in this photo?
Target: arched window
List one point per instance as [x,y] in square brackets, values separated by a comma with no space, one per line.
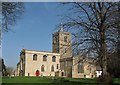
[52,68]
[53,59]
[35,57]
[44,58]
[42,68]
[80,68]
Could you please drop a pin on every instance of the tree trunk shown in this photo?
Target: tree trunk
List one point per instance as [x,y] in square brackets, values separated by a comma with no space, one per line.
[103,52]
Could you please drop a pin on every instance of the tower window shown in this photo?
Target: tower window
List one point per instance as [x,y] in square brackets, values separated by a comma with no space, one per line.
[53,59]
[52,68]
[65,39]
[65,50]
[80,68]
[55,39]
[42,68]
[35,57]
[44,58]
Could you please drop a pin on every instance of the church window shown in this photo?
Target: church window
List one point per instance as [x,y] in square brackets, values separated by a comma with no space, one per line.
[52,68]
[53,59]
[35,57]
[57,66]
[90,70]
[80,68]
[65,39]
[44,58]
[42,68]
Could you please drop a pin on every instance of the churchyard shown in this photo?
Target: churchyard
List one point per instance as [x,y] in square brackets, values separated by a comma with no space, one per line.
[90,29]
[52,81]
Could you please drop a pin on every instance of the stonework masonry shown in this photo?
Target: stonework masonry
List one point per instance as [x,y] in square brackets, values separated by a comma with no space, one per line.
[30,66]
[62,44]
[59,62]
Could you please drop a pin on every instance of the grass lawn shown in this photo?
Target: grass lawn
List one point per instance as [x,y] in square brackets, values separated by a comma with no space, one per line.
[50,81]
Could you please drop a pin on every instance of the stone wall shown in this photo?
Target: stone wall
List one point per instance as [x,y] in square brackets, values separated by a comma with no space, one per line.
[31,66]
[89,68]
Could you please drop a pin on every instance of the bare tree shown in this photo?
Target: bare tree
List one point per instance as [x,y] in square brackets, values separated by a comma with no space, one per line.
[11,11]
[91,24]
[2,67]
[114,51]
[9,70]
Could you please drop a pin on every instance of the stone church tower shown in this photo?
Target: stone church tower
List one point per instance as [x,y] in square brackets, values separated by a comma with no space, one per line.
[62,44]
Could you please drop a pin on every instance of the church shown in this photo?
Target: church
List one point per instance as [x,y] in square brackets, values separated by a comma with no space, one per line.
[60,62]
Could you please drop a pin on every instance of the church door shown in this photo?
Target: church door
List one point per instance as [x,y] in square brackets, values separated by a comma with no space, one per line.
[37,73]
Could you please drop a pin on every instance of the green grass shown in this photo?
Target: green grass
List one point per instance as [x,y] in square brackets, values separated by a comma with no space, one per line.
[51,81]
